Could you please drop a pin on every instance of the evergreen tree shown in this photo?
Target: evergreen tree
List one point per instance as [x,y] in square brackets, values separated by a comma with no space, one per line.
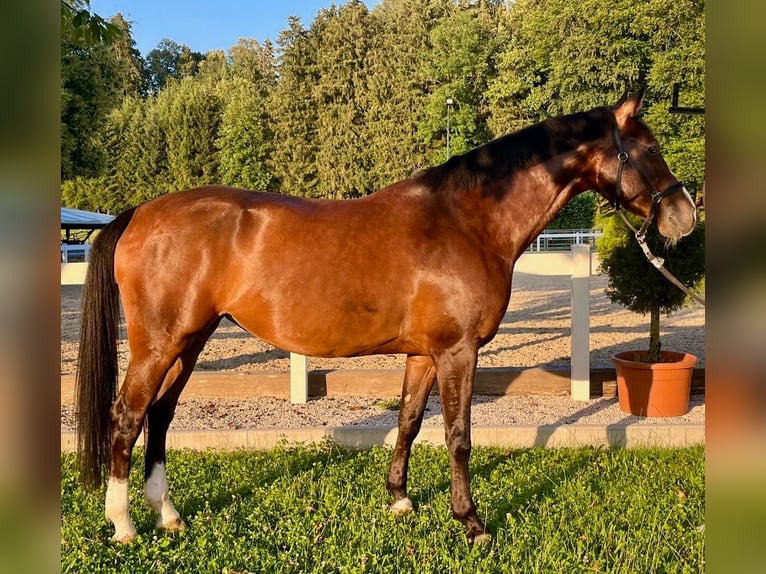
[358,100]
[564,56]
[131,65]
[214,66]
[245,140]
[94,78]
[341,41]
[138,164]
[122,136]
[635,283]
[293,113]
[253,62]
[675,33]
[397,87]
[190,115]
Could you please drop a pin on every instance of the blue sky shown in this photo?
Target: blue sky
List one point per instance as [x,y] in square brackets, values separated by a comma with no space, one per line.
[205,25]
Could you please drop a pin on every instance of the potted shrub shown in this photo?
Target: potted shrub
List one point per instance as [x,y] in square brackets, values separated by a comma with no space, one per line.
[651,381]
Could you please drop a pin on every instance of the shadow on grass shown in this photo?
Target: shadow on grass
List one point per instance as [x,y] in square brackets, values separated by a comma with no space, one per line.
[555,475]
[285,462]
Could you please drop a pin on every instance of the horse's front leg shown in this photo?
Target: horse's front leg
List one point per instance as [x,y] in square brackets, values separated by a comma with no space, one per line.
[455,371]
[419,376]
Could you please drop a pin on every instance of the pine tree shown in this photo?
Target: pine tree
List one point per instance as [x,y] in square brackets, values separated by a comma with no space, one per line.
[245,140]
[191,113]
[94,78]
[132,66]
[293,114]
[253,62]
[675,32]
[397,87]
[342,42]
[564,56]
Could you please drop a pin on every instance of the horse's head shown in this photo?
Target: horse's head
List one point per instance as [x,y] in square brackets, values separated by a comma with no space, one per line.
[634,175]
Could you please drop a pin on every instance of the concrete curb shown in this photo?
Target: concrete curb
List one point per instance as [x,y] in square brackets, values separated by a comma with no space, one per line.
[358,437]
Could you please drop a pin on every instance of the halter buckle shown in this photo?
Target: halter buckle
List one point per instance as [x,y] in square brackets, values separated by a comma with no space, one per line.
[622,156]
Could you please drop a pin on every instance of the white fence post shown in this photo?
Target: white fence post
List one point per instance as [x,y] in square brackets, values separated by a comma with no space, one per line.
[299,378]
[580,374]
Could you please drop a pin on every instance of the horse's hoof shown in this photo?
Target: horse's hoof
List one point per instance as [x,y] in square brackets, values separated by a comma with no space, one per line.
[401,506]
[123,538]
[482,539]
[173,525]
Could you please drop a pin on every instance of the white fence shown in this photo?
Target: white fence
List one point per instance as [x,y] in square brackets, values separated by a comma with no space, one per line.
[75,252]
[562,239]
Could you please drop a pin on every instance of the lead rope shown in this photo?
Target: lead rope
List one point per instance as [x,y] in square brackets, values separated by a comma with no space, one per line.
[659,262]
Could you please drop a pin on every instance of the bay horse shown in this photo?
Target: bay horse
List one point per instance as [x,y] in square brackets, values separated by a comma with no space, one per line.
[422,267]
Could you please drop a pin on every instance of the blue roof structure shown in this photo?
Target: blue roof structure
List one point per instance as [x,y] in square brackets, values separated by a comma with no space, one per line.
[79,219]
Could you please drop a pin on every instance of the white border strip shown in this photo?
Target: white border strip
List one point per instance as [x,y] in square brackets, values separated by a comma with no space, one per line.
[359,437]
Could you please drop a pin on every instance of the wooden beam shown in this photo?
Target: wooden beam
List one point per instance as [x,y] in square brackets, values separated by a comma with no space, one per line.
[388,383]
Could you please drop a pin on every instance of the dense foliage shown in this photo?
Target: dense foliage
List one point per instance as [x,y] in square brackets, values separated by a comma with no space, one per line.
[323,509]
[634,282]
[357,99]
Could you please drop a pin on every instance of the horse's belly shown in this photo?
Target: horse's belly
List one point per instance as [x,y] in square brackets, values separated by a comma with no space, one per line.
[324,330]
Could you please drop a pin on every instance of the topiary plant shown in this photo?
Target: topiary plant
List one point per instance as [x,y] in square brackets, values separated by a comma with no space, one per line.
[636,283]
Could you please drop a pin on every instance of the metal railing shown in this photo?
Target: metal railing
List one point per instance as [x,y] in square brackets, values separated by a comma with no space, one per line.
[75,252]
[563,239]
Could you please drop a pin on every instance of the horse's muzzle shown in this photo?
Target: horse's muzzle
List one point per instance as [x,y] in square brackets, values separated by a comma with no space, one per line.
[676,216]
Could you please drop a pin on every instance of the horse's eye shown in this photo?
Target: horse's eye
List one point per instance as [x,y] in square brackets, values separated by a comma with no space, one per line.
[654,149]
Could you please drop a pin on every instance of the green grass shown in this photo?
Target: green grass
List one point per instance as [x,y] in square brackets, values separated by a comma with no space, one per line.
[388,404]
[323,509]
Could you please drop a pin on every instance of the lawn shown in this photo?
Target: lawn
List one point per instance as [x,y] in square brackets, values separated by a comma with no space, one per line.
[323,509]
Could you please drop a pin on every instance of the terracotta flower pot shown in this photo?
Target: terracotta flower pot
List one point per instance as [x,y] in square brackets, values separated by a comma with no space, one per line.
[654,389]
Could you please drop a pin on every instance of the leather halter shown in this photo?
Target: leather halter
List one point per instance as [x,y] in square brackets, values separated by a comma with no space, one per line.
[657,196]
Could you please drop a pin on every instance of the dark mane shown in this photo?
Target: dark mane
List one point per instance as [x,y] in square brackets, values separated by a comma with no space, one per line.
[520,150]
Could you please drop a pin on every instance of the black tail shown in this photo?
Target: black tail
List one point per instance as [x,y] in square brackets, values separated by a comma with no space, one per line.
[96,384]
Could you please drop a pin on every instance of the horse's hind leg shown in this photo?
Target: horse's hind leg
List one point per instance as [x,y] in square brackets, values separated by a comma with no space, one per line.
[153,356]
[141,384]
[419,375]
[158,419]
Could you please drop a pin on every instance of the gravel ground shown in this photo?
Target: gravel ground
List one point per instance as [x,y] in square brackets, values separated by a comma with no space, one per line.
[534,333]
[267,412]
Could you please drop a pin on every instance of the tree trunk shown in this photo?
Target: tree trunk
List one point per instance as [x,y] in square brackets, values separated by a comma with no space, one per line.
[654,335]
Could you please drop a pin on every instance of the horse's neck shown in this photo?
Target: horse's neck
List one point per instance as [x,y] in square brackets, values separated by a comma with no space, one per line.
[528,201]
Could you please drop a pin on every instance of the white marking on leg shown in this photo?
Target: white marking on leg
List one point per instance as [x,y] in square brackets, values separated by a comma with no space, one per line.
[482,539]
[401,506]
[116,509]
[157,497]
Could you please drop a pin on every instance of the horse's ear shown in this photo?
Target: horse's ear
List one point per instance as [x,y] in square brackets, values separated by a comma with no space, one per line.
[629,106]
